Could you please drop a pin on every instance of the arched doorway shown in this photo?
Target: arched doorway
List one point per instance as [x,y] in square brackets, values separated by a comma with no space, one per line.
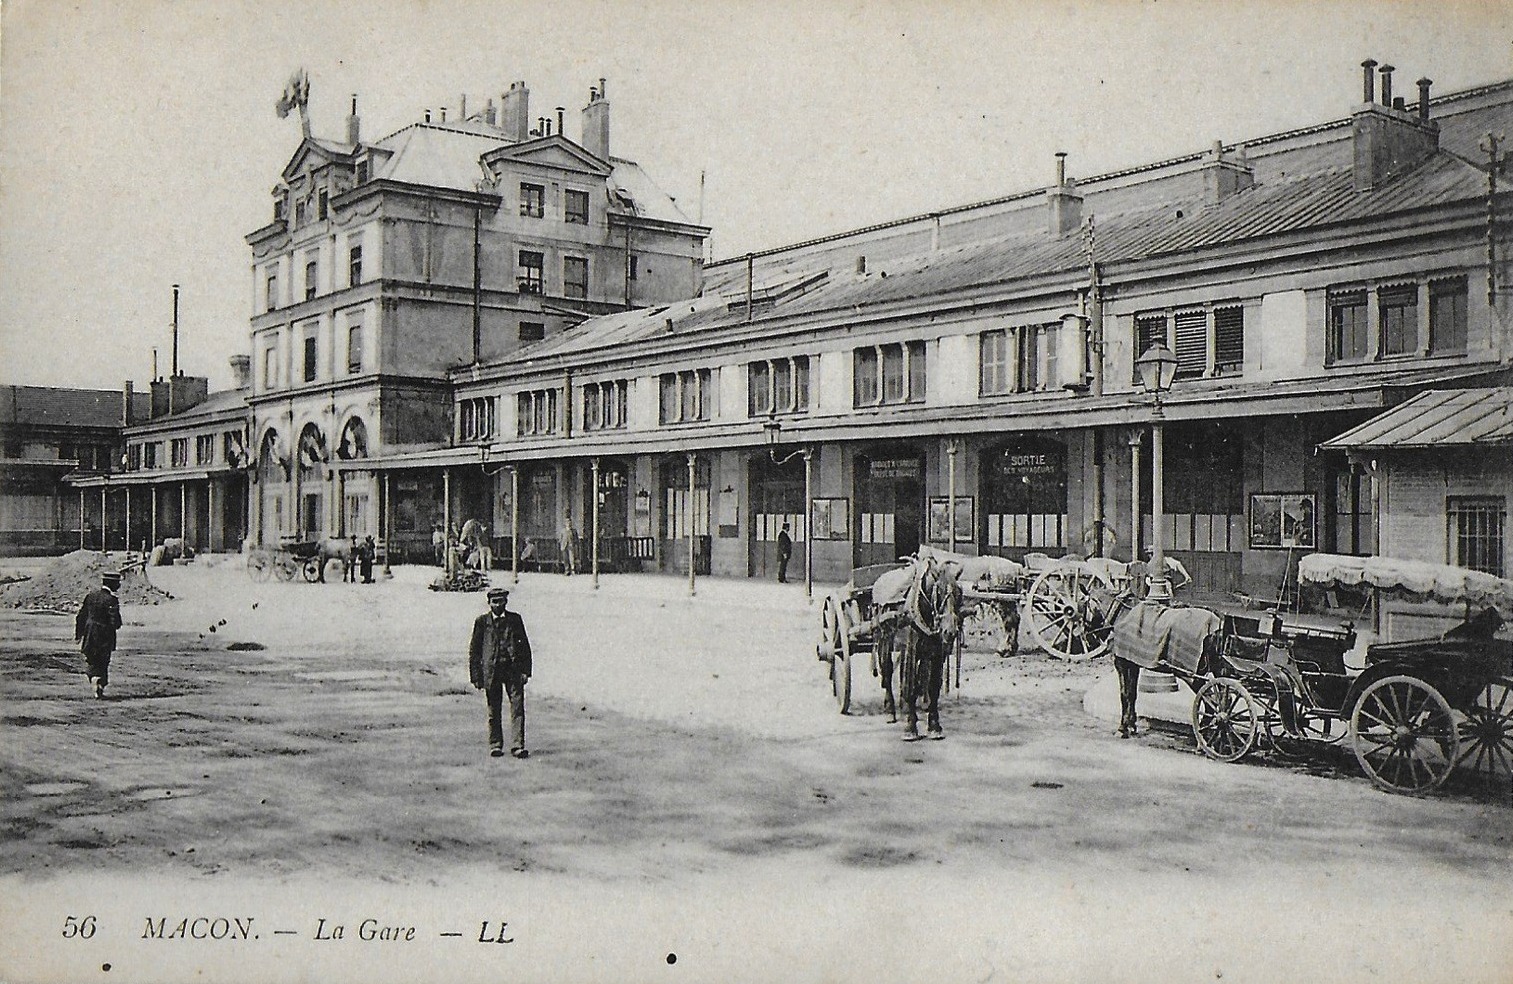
[313,458]
[889,504]
[1024,498]
[358,516]
[272,482]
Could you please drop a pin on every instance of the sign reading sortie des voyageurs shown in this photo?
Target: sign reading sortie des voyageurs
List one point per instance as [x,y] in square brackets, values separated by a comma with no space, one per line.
[1017,464]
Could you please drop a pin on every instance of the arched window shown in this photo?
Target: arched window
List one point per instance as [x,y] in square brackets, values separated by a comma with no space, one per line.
[354,440]
[272,464]
[312,449]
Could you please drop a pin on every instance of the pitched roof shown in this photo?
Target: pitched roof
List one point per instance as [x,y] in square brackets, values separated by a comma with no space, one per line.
[1437,419]
[56,406]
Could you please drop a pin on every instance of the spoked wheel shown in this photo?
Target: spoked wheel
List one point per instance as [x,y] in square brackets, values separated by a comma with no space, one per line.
[311,569]
[840,666]
[829,641]
[285,569]
[1226,719]
[259,566]
[1065,616]
[1486,731]
[1404,735]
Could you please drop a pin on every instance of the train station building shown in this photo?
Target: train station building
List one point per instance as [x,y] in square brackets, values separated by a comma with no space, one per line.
[479,319]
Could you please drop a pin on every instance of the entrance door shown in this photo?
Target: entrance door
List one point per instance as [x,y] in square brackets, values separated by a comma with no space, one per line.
[889,505]
[777,497]
[685,512]
[614,513]
[311,523]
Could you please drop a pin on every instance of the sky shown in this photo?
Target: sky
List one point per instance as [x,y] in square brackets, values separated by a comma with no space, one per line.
[139,142]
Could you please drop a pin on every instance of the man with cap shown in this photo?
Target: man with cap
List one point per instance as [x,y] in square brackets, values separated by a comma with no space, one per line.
[499,662]
[95,629]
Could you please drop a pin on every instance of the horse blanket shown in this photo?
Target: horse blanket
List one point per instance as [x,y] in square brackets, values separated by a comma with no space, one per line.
[1152,634]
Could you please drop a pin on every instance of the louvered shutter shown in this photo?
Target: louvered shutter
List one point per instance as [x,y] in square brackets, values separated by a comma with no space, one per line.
[1229,339]
[1192,343]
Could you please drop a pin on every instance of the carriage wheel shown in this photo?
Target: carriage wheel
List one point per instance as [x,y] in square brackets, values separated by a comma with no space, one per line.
[311,569]
[1064,616]
[1225,719]
[829,640]
[840,666]
[285,569]
[1486,730]
[1404,735]
[259,566]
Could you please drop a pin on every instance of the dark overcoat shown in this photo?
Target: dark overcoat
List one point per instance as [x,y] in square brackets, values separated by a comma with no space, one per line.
[95,627]
[498,645]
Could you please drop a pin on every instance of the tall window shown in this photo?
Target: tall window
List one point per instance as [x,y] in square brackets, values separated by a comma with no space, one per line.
[888,374]
[270,367]
[150,454]
[179,448]
[204,449]
[310,358]
[777,385]
[312,277]
[1476,528]
[1447,315]
[604,404]
[354,266]
[1352,512]
[1037,350]
[529,276]
[323,205]
[475,418]
[134,457]
[532,200]
[575,207]
[686,396]
[993,364]
[271,296]
[1229,340]
[536,412]
[1347,325]
[354,349]
[1191,331]
[574,277]
[1397,309]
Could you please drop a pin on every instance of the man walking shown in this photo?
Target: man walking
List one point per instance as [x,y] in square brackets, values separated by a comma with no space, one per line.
[499,662]
[95,629]
[785,550]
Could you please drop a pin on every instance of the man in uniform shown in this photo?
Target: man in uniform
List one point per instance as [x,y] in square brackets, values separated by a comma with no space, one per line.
[95,629]
[785,551]
[499,662]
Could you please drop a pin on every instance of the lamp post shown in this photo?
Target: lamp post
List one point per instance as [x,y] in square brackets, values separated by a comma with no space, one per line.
[1157,366]
[772,431]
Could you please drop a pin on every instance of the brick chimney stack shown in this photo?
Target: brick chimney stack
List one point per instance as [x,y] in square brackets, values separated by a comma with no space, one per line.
[1390,140]
[596,123]
[1063,203]
[515,112]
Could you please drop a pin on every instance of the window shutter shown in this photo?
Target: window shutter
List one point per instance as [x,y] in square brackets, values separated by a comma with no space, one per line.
[1192,343]
[1229,339]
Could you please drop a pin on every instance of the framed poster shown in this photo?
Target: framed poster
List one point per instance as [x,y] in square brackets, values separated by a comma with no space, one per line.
[830,519]
[939,532]
[1283,520]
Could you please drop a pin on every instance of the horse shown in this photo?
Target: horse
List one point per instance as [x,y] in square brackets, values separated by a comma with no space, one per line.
[922,635]
[333,548]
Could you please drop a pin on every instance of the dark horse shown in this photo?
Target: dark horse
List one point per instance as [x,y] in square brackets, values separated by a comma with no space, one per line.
[923,636]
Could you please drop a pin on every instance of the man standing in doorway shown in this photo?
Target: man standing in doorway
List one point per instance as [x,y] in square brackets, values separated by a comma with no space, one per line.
[569,545]
[95,629]
[499,662]
[785,551]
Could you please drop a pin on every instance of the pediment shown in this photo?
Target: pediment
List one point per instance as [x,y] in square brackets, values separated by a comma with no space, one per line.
[312,154]
[554,152]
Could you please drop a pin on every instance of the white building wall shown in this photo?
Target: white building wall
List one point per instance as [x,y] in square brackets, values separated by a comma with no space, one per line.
[1281,348]
[732,392]
[834,379]
[641,403]
[953,373]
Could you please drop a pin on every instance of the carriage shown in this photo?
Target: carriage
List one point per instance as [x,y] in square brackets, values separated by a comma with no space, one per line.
[285,562]
[1413,711]
[1068,604]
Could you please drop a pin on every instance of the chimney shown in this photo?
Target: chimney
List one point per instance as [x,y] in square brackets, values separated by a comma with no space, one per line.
[428,116]
[443,114]
[241,371]
[462,108]
[515,112]
[489,115]
[1368,80]
[175,370]
[561,130]
[1064,204]
[126,400]
[1388,139]
[159,398]
[186,392]
[596,123]
[1224,175]
[1423,98]
[354,136]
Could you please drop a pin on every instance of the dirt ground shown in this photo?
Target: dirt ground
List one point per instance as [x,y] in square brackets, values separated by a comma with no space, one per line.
[694,808]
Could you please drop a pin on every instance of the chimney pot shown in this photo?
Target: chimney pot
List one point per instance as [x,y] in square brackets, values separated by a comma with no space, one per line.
[1060,168]
[1386,71]
[462,107]
[1398,103]
[1423,98]
[560,111]
[1368,80]
[443,114]
[428,116]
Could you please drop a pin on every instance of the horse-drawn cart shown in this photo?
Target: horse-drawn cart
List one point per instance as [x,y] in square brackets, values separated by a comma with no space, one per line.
[1413,713]
[285,562]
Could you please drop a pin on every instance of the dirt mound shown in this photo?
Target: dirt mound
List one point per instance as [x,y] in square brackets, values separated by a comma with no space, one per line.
[62,584]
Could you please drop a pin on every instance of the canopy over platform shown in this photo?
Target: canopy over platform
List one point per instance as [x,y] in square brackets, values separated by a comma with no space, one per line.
[1415,579]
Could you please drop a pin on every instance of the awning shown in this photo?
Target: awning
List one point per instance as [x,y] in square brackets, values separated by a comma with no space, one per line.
[1437,419]
[1415,579]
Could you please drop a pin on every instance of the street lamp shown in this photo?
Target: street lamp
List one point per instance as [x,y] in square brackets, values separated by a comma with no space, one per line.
[772,430]
[1157,367]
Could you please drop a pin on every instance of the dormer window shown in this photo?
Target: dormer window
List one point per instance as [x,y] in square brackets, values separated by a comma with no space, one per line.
[362,171]
[532,200]
[323,206]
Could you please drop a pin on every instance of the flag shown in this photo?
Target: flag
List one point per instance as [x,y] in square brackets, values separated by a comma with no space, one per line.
[296,94]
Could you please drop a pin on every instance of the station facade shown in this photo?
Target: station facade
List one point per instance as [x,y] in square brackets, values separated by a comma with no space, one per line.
[427,348]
